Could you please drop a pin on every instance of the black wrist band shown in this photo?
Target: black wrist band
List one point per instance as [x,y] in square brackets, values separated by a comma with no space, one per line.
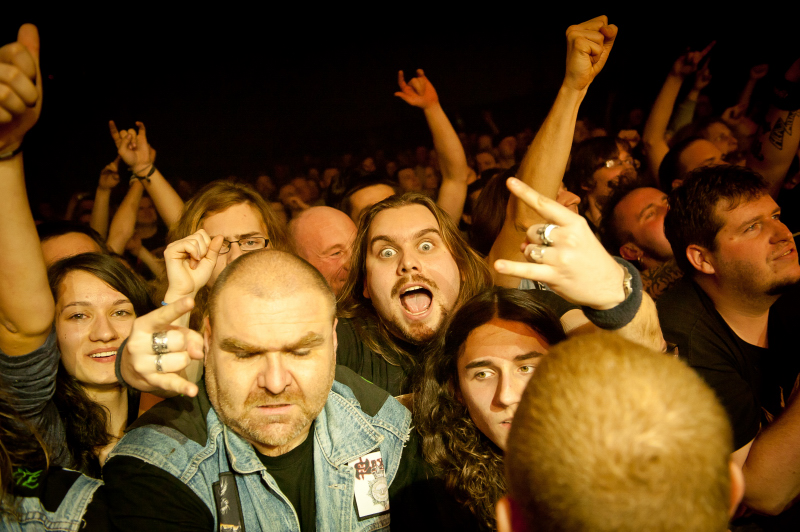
[11,154]
[117,364]
[621,315]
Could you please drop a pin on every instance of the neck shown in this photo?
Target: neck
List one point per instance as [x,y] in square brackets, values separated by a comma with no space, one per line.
[650,263]
[592,211]
[115,400]
[746,314]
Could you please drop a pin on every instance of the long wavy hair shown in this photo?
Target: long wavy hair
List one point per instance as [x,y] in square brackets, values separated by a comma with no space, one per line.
[470,463]
[86,422]
[352,304]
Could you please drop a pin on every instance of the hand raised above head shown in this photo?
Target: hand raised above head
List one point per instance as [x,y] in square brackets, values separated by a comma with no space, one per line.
[20,88]
[109,176]
[418,92]
[759,71]
[132,146]
[688,62]
[566,256]
[588,46]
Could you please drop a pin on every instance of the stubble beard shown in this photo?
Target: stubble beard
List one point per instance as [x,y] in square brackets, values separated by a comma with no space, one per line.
[274,431]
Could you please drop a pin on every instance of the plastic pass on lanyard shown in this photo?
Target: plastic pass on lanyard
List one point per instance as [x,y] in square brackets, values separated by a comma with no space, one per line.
[371,489]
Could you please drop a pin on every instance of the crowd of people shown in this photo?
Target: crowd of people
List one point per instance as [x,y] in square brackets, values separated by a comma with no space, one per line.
[568,329]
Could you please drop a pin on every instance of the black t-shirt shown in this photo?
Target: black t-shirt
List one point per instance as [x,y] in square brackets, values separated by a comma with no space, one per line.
[354,354]
[294,473]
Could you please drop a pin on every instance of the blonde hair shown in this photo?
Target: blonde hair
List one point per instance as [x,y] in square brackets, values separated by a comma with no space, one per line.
[610,435]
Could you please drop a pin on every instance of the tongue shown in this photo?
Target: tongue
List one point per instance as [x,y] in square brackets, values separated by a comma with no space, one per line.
[417,301]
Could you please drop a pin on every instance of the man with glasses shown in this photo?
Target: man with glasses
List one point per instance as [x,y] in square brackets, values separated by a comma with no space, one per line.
[597,164]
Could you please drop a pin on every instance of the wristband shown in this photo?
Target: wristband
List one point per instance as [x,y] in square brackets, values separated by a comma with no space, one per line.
[146,178]
[621,315]
[118,363]
[5,156]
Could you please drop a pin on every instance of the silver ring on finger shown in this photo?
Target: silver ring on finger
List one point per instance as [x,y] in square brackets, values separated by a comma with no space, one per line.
[160,346]
[544,234]
[537,253]
[159,367]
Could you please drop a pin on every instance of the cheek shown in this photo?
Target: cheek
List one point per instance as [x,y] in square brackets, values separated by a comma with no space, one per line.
[69,341]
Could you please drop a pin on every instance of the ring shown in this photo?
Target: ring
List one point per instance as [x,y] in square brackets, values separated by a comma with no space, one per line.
[537,254]
[160,343]
[544,234]
[158,364]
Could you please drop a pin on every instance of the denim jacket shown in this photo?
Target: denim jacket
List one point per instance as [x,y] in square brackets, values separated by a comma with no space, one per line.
[350,426]
[32,515]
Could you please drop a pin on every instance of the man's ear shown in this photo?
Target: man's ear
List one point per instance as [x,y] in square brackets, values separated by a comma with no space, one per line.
[676,183]
[700,259]
[366,290]
[630,252]
[206,338]
[737,486]
[335,338]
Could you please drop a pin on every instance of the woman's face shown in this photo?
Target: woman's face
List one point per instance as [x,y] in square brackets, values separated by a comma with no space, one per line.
[497,361]
[92,320]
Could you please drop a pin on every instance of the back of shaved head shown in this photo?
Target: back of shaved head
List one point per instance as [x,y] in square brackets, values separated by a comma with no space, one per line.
[270,274]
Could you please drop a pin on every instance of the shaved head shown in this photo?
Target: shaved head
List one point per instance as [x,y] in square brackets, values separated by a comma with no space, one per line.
[270,274]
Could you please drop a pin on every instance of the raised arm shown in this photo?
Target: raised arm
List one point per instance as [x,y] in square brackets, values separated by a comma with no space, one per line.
[123,225]
[684,112]
[109,178]
[756,73]
[26,304]
[419,92]
[542,168]
[655,130]
[132,146]
[776,145]
[565,255]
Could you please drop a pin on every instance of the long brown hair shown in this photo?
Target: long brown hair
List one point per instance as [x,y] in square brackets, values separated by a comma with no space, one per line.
[470,463]
[352,304]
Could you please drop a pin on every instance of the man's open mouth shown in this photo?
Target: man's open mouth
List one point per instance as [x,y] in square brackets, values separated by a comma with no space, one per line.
[416,299]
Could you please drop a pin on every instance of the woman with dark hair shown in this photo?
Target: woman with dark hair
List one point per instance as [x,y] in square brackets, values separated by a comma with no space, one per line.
[473,379]
[67,386]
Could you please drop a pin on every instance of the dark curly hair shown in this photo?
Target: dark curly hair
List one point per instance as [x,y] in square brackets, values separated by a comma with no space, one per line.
[470,463]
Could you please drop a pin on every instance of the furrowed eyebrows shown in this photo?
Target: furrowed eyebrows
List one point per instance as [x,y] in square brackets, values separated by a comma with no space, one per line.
[309,340]
[519,358]
[88,304]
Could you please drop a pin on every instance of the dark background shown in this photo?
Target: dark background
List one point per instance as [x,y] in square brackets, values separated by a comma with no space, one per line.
[234,95]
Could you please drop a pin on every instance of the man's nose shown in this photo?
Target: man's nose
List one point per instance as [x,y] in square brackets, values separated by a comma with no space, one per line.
[274,375]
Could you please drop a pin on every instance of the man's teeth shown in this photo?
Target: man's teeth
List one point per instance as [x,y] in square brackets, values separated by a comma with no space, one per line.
[103,355]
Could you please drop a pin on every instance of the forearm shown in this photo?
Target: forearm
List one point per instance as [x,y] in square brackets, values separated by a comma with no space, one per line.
[684,112]
[452,162]
[153,264]
[772,468]
[655,129]
[123,224]
[747,92]
[99,220]
[26,303]
[775,147]
[167,201]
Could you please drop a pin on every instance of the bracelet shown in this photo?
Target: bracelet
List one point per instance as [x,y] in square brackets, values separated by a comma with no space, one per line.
[118,364]
[621,315]
[146,178]
[11,154]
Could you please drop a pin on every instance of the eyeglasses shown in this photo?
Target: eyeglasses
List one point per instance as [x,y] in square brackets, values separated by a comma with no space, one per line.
[611,163]
[250,243]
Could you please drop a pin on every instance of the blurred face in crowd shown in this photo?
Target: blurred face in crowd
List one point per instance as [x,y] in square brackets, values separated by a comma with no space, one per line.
[507,148]
[484,161]
[408,180]
[147,212]
[721,136]
[324,237]
[234,223]
[642,213]
[412,278]
[66,245]
[496,363]
[92,320]
[368,165]
[366,197]
[698,154]
[609,172]
[270,365]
